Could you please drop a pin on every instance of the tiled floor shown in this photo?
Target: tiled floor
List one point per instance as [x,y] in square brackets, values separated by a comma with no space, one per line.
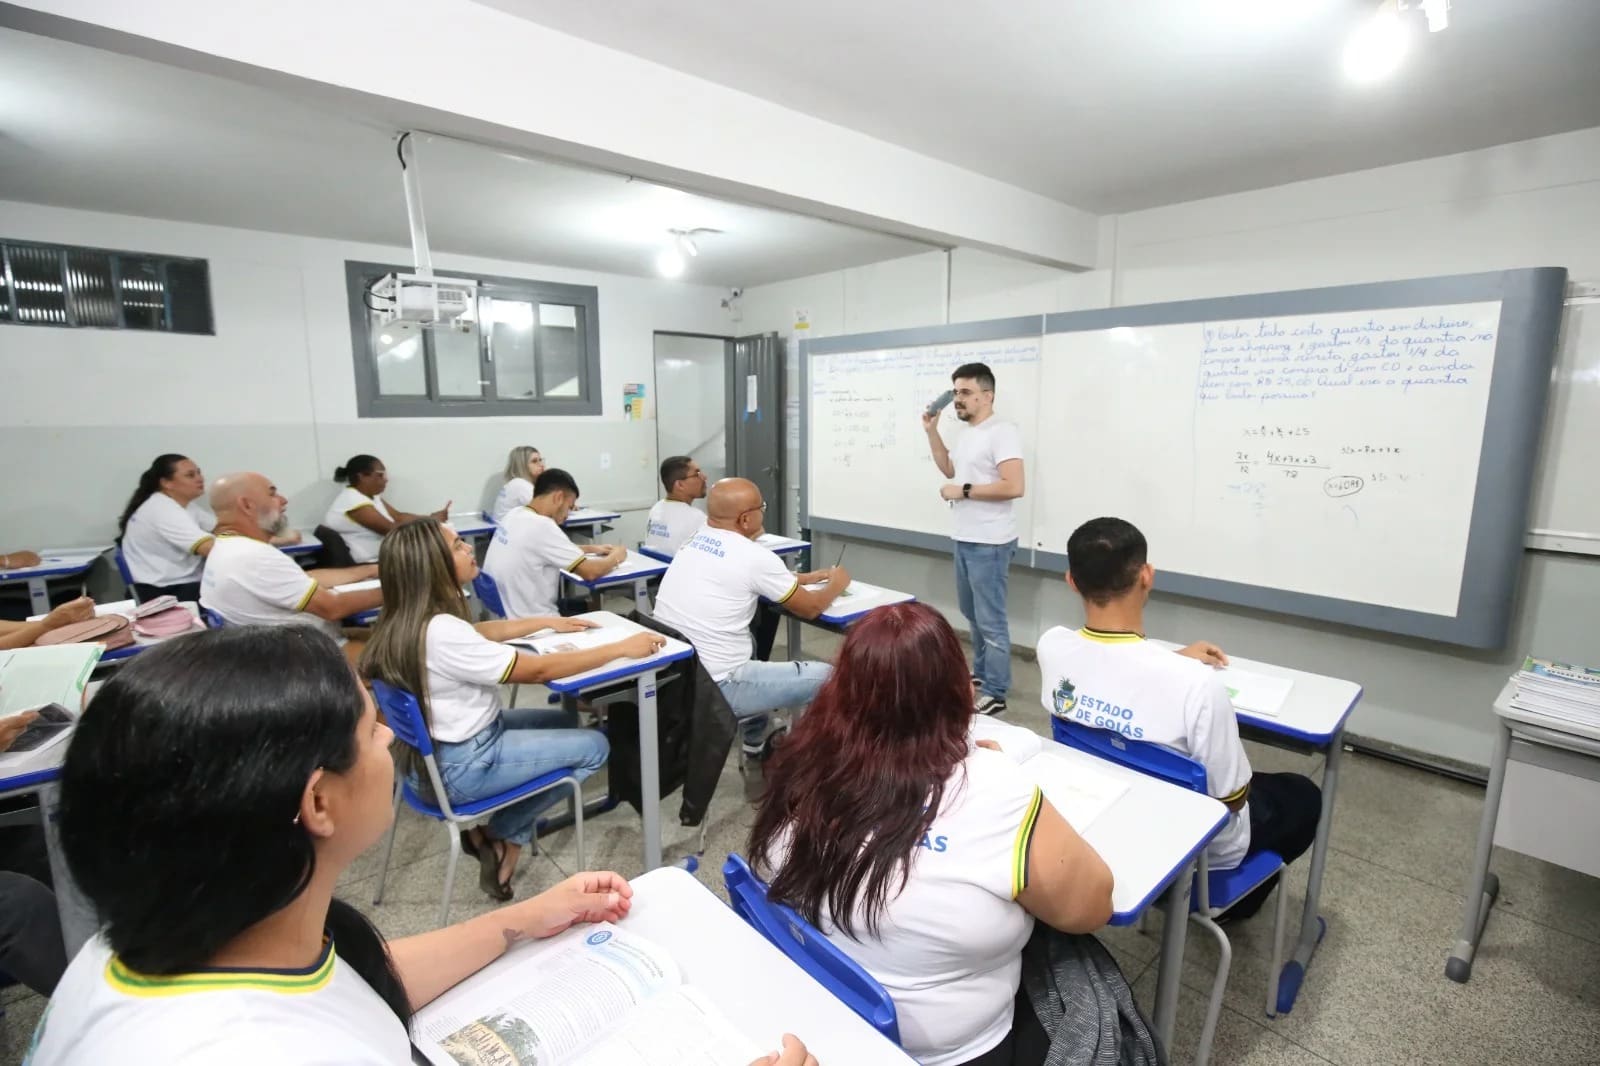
[1376,993]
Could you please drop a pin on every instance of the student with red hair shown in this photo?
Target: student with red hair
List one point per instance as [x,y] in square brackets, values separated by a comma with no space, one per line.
[923,856]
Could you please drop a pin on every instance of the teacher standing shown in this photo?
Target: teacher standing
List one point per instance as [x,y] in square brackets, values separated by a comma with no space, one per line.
[986,472]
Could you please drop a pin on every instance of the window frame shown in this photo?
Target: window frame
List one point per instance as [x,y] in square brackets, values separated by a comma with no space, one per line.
[115,257]
[370,403]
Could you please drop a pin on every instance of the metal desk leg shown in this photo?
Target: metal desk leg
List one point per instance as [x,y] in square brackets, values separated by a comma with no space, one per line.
[78,918]
[1312,925]
[39,598]
[649,771]
[1173,933]
[1482,886]
[641,595]
[794,637]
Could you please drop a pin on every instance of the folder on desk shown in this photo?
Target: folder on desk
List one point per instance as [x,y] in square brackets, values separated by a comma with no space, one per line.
[33,677]
[1256,693]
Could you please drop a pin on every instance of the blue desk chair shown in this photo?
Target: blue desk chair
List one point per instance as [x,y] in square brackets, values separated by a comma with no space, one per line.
[810,950]
[488,594]
[404,715]
[212,619]
[127,575]
[1214,890]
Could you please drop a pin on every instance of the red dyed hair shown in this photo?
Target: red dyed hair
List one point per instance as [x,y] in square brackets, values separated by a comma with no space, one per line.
[859,780]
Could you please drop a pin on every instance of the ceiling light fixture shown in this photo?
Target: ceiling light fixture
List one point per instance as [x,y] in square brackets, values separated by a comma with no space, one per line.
[670,263]
[1377,46]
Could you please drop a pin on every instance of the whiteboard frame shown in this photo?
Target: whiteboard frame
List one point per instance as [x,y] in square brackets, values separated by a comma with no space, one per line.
[1519,386]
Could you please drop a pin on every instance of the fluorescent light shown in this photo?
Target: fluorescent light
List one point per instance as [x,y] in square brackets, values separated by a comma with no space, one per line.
[1438,13]
[386,339]
[670,263]
[1375,48]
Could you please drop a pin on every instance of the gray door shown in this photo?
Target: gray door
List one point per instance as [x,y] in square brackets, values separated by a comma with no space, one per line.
[757,430]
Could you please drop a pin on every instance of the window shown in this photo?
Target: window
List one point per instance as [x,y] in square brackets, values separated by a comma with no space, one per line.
[533,350]
[56,285]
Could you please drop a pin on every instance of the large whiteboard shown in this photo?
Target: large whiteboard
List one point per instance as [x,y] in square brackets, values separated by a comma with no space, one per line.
[869,460]
[1332,455]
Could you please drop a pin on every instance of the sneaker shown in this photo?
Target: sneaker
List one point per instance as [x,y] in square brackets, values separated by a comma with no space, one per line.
[990,705]
[762,750]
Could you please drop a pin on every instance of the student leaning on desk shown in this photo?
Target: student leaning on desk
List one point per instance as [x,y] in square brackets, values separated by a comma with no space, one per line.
[359,513]
[529,551]
[217,788]
[24,634]
[425,644]
[1107,676]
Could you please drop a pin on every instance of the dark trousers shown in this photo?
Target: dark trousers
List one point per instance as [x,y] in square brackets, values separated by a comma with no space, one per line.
[187,593]
[30,928]
[1026,1044]
[764,627]
[1284,809]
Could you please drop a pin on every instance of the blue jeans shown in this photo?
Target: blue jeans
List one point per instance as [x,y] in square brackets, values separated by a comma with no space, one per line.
[981,574]
[757,687]
[520,745]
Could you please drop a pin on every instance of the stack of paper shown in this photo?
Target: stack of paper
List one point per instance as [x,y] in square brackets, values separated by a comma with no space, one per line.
[1558,690]
[1255,693]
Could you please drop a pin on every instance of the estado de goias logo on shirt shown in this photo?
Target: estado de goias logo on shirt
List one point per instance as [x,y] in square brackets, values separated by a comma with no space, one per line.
[1064,698]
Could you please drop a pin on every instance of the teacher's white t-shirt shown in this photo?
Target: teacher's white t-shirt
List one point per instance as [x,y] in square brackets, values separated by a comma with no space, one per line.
[465,672]
[324,1015]
[363,542]
[160,542]
[518,492]
[977,456]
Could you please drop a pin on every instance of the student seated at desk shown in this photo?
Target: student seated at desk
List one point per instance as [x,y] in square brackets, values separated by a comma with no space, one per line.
[523,467]
[24,634]
[675,519]
[710,592]
[249,582]
[163,545]
[31,950]
[1173,699]
[360,514]
[247,769]
[529,551]
[426,645]
[923,857]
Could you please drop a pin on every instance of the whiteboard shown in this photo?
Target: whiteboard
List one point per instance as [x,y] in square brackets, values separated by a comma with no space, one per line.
[1332,455]
[1566,503]
[869,463]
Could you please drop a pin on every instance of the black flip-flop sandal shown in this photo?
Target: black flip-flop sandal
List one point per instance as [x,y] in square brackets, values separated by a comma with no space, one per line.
[467,845]
[489,872]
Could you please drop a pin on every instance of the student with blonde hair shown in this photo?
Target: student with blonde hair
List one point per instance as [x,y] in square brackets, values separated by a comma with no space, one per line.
[523,466]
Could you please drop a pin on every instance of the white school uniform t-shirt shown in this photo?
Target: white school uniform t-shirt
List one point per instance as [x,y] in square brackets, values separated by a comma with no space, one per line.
[671,522]
[949,947]
[977,456]
[1122,682]
[465,672]
[249,582]
[363,542]
[518,492]
[525,558]
[160,541]
[709,595]
[325,1015]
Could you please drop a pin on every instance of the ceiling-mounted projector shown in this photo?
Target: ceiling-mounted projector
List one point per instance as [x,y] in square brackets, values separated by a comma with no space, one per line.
[427,300]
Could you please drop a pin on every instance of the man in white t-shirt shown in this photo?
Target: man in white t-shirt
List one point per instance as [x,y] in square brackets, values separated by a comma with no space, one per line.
[249,582]
[710,593]
[529,550]
[986,471]
[675,519]
[1107,676]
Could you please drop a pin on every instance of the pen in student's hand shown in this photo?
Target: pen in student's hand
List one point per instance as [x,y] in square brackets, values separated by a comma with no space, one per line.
[839,560]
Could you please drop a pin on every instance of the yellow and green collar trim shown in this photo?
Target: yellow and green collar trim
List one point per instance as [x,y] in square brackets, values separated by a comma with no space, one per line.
[288,982]
[1108,636]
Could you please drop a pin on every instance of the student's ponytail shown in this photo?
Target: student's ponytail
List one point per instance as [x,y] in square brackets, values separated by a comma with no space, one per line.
[361,947]
[354,467]
[163,467]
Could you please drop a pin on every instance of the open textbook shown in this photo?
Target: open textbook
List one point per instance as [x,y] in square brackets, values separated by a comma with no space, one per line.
[1078,788]
[603,998]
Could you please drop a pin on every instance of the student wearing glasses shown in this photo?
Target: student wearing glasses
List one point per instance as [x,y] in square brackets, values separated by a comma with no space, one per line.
[675,519]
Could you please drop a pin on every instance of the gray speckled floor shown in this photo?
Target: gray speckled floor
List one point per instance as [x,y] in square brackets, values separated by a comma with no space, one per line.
[1376,993]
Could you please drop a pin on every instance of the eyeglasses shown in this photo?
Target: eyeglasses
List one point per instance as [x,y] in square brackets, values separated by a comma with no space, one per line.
[747,510]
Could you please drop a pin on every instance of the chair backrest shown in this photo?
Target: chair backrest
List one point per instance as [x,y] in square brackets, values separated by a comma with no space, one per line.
[488,593]
[404,715]
[335,550]
[122,568]
[1140,755]
[212,619]
[810,950]
[486,516]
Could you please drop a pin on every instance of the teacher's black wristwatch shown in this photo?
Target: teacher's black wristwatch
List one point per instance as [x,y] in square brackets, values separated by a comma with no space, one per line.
[966,491]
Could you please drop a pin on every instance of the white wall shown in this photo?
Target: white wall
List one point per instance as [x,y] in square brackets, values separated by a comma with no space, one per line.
[274,389]
[1534,203]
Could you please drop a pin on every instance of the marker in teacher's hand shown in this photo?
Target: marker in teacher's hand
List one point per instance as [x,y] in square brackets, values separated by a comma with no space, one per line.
[941,401]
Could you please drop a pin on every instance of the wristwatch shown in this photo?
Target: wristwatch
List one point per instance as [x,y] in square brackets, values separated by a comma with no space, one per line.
[966,491]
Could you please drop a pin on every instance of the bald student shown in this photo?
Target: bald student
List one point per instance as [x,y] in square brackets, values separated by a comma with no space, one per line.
[249,582]
[710,592]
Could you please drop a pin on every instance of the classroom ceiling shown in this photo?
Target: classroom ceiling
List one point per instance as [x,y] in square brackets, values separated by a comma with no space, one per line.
[98,131]
[1116,105]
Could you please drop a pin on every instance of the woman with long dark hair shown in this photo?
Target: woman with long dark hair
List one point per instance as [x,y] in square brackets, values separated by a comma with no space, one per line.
[923,856]
[360,514]
[426,643]
[163,545]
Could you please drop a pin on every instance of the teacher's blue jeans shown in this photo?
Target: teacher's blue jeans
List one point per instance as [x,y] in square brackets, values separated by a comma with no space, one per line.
[981,574]
[520,745]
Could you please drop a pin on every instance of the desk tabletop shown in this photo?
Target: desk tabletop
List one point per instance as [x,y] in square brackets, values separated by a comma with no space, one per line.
[782,545]
[621,669]
[304,546]
[634,567]
[589,516]
[859,598]
[55,562]
[762,992]
[1503,708]
[472,524]
[1315,710]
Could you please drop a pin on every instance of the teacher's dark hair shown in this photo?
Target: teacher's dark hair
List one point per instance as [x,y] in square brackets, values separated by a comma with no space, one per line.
[1104,557]
[355,468]
[180,792]
[161,468]
[978,372]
